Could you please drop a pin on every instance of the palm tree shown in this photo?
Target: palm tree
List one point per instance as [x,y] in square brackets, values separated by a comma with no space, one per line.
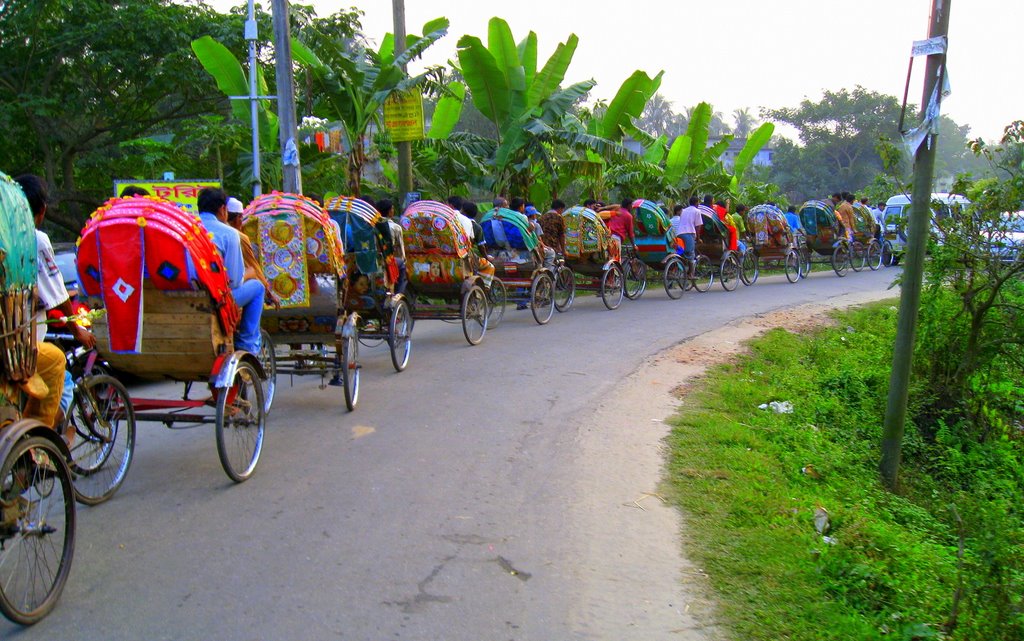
[657,115]
[744,121]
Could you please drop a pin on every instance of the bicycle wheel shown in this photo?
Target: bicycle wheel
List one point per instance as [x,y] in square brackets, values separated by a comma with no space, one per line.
[703,274]
[350,369]
[750,267]
[840,260]
[612,287]
[37,535]
[565,289]
[268,359]
[874,255]
[497,297]
[636,278]
[474,315]
[792,266]
[542,297]
[805,261]
[104,442]
[887,254]
[241,422]
[674,278]
[729,271]
[400,335]
[858,256]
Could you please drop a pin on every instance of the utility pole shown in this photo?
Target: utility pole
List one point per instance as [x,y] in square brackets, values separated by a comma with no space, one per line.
[254,108]
[290,169]
[404,148]
[910,297]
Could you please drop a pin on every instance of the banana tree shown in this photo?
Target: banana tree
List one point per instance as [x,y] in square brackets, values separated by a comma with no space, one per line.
[231,79]
[527,105]
[355,82]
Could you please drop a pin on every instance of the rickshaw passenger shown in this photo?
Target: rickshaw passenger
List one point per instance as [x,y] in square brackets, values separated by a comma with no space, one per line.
[554,227]
[844,212]
[248,294]
[534,217]
[621,222]
[253,269]
[50,361]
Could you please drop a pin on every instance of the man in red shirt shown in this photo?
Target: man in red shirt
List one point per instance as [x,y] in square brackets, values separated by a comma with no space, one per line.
[723,215]
[621,224]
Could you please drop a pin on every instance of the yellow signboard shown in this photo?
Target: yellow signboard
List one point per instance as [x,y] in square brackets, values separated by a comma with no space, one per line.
[183,192]
[403,116]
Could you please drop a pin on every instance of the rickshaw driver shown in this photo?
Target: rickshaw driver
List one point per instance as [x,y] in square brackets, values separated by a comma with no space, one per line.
[248,294]
[51,293]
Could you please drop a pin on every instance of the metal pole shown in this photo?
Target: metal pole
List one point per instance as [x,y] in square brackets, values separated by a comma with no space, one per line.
[251,36]
[404,148]
[290,170]
[920,213]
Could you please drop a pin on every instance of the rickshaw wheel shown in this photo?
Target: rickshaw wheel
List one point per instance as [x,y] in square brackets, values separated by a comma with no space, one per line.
[104,442]
[805,262]
[635,272]
[497,297]
[241,422]
[674,278]
[268,359]
[858,256]
[874,255]
[704,274]
[730,272]
[36,551]
[565,289]
[400,335]
[750,267]
[840,259]
[350,369]
[474,314]
[792,266]
[612,287]
[887,254]
[542,297]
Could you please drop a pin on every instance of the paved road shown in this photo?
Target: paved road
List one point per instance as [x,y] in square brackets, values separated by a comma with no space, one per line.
[436,510]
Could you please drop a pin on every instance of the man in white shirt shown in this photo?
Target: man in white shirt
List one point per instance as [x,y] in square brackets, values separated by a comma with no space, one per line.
[686,227]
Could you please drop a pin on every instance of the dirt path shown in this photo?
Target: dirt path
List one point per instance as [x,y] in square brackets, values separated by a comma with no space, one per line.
[647,589]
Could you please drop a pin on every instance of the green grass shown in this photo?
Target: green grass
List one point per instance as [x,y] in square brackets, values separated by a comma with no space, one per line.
[735,471]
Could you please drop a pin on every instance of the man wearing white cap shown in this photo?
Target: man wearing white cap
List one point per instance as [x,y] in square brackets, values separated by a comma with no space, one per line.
[253,269]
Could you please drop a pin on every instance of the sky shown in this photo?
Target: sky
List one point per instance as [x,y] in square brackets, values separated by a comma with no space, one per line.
[748,53]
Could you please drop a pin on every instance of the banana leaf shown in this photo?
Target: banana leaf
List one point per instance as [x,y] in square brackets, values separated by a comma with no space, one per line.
[447,112]
[227,72]
[697,131]
[628,103]
[551,76]
[754,143]
[487,82]
[678,158]
[528,57]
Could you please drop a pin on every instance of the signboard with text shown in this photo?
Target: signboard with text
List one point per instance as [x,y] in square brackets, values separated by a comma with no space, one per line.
[184,192]
[403,116]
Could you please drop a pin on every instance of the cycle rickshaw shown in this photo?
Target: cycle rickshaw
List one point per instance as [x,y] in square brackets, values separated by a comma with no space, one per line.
[713,249]
[772,241]
[37,506]
[520,274]
[866,250]
[300,250]
[374,279]
[592,258]
[170,314]
[824,236]
[445,278]
[656,247]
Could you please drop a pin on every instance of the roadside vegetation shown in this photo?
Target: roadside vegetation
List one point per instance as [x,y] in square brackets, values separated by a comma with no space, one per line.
[941,559]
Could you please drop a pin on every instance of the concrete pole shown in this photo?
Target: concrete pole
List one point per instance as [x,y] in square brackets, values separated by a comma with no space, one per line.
[288,135]
[918,230]
[254,108]
[404,148]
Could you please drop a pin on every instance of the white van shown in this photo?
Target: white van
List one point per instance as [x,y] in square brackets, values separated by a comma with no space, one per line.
[897,212]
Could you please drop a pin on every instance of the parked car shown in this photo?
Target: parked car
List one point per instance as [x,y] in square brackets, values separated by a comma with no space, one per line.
[67,260]
[897,212]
